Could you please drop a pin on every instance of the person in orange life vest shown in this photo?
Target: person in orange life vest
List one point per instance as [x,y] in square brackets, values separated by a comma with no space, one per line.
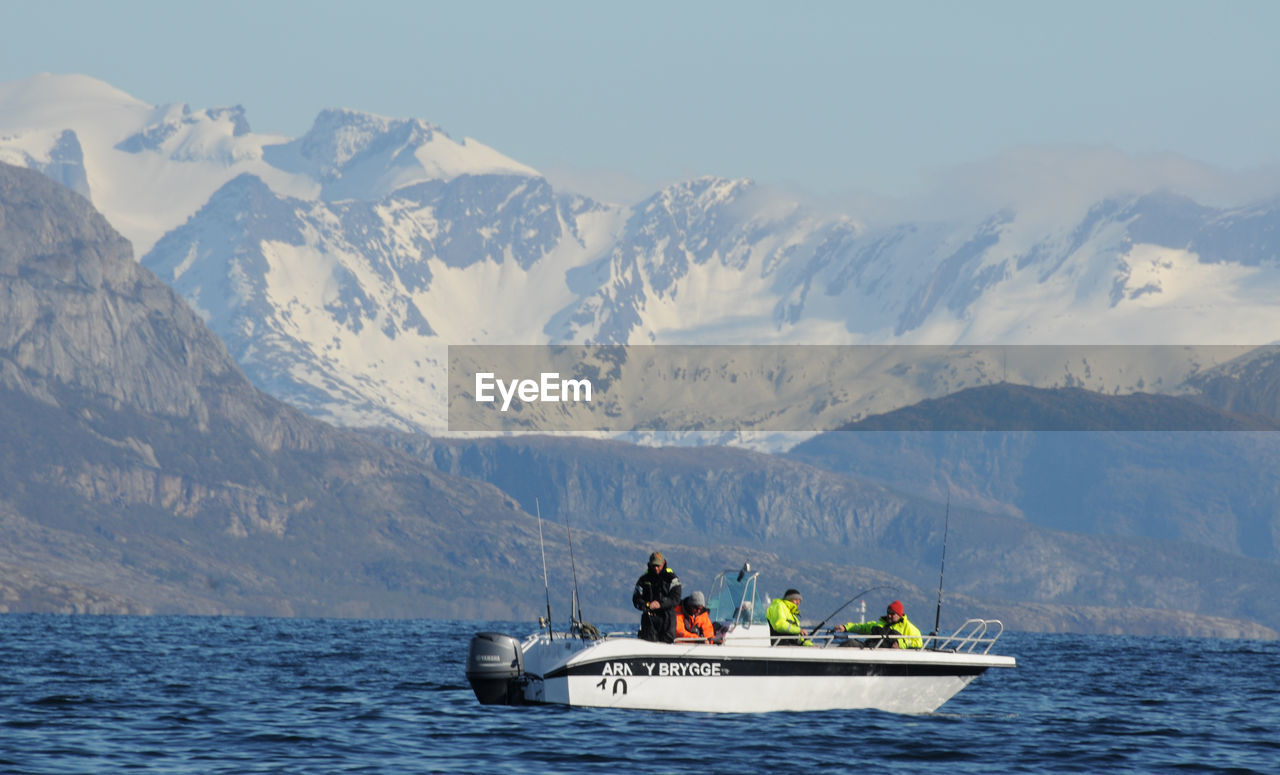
[692,619]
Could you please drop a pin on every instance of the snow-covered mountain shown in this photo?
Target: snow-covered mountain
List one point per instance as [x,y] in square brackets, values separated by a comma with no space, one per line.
[338,266]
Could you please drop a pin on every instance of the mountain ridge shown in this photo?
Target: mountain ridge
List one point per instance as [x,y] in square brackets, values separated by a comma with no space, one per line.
[1014,407]
[712,260]
[350,302]
[141,473]
[1124,480]
[827,514]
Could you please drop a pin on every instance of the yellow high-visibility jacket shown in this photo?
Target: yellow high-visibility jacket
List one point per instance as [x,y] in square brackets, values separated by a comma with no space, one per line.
[784,619]
[910,633]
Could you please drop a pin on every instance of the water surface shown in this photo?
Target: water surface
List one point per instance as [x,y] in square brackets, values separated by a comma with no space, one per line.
[93,694]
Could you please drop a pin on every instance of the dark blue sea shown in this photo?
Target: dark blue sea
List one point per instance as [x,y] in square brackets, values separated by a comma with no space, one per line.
[90,694]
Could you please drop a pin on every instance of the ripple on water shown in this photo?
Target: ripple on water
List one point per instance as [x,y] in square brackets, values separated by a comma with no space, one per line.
[227,695]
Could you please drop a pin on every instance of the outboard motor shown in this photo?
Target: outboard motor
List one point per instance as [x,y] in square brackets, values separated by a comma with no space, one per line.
[495,664]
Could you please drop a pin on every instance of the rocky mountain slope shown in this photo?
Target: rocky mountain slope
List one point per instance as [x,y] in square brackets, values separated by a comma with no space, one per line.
[141,472]
[719,496]
[1032,454]
[1249,384]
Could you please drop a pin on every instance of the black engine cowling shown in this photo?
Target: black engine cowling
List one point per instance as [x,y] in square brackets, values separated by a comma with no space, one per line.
[495,665]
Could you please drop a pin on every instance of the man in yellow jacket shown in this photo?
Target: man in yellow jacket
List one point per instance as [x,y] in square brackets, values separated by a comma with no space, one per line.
[895,629]
[784,621]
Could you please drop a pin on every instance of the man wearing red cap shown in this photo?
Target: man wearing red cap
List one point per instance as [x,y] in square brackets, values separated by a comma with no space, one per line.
[894,628]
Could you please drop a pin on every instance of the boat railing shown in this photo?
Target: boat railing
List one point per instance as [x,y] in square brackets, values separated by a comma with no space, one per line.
[862,640]
[975,636]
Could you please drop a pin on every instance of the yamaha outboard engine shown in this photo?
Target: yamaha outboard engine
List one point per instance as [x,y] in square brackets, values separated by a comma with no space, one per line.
[495,664]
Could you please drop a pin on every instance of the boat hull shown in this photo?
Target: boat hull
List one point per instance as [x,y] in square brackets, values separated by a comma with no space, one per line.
[629,673]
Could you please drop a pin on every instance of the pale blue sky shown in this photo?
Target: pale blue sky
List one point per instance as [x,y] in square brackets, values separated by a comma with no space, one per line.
[828,97]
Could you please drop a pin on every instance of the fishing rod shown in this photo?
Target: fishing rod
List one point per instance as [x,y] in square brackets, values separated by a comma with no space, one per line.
[850,600]
[946,526]
[575,613]
[546,587]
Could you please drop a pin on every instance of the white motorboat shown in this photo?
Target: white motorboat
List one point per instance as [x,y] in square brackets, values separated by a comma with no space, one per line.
[743,673]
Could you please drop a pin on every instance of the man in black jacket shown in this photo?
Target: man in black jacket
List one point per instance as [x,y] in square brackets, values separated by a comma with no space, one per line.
[657,594]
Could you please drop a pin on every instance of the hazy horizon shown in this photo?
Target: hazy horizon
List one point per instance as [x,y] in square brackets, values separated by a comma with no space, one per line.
[837,101]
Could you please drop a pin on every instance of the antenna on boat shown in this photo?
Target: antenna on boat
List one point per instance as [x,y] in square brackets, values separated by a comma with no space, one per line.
[575,613]
[546,587]
[946,525]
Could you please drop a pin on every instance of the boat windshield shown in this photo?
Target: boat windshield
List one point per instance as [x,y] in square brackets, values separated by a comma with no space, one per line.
[733,597]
